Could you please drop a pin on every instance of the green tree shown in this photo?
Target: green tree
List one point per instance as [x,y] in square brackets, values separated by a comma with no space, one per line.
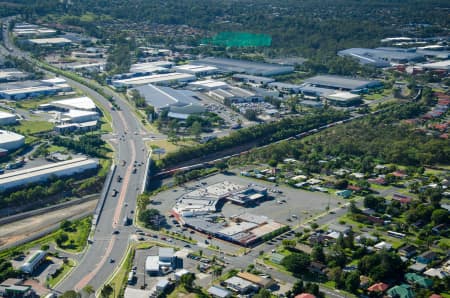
[440,216]
[298,287]
[107,291]
[296,263]
[317,254]
[187,280]
[196,129]
[263,293]
[352,282]
[150,217]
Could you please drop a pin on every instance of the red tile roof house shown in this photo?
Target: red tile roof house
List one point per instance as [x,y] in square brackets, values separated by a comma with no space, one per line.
[305,295]
[379,181]
[399,174]
[378,287]
[402,198]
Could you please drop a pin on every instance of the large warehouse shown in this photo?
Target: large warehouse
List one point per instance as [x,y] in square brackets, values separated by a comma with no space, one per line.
[226,65]
[11,140]
[43,173]
[7,118]
[382,57]
[79,103]
[177,101]
[162,79]
[343,83]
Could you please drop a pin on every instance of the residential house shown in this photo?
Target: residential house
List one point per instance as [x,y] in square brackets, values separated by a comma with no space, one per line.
[407,251]
[305,295]
[218,292]
[401,291]
[418,280]
[262,282]
[317,267]
[379,287]
[240,285]
[427,257]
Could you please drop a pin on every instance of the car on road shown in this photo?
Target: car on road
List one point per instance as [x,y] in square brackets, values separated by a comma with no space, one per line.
[163,238]
[112,260]
[115,232]
[134,170]
[187,246]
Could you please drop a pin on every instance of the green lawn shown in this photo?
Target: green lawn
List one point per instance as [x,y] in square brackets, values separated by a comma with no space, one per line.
[32,127]
[66,268]
[78,234]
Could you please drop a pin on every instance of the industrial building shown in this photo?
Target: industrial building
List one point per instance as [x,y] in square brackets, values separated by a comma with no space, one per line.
[249,79]
[343,83]
[11,75]
[53,41]
[437,66]
[80,127]
[163,263]
[30,89]
[159,79]
[209,85]
[80,103]
[90,67]
[10,140]
[151,66]
[234,95]
[383,57]
[79,116]
[226,65]
[179,103]
[344,99]
[43,173]
[33,261]
[25,30]
[285,87]
[198,70]
[7,118]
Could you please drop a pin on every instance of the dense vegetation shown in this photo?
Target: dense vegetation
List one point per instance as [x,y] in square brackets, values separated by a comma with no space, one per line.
[7,270]
[362,144]
[308,28]
[88,144]
[257,135]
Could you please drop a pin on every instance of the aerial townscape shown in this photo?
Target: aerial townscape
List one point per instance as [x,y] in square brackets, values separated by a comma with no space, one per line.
[222,148]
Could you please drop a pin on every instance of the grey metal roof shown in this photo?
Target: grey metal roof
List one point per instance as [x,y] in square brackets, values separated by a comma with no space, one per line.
[339,82]
[161,97]
[245,66]
[382,56]
[219,292]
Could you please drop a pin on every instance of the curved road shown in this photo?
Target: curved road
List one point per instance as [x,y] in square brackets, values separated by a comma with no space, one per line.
[100,257]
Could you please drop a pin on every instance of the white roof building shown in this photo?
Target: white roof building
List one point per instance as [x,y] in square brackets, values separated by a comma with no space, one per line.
[78,116]
[33,261]
[152,264]
[164,78]
[42,173]
[7,118]
[209,85]
[79,103]
[50,41]
[10,140]
[196,69]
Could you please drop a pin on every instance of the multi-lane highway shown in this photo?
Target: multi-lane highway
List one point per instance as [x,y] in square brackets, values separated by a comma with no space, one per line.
[111,237]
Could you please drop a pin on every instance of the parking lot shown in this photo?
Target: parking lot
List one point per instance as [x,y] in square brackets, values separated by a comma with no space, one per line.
[286,205]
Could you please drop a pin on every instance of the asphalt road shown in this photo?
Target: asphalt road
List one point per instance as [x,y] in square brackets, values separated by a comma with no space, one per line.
[95,267]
